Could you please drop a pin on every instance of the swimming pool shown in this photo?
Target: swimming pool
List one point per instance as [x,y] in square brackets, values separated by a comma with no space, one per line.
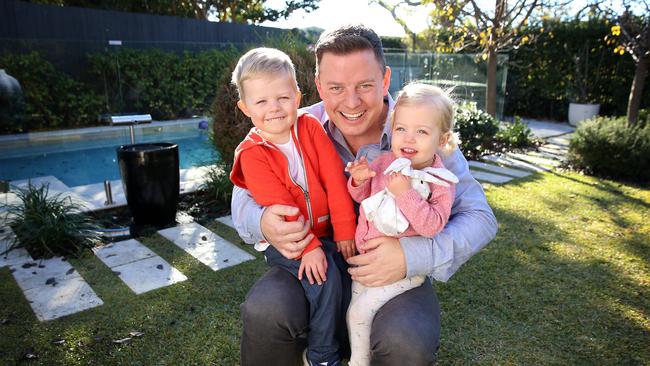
[87,156]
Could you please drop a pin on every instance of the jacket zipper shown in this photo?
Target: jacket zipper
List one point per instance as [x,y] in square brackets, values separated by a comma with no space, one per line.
[305,192]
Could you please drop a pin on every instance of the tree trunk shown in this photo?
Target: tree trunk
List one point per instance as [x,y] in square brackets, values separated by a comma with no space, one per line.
[636,91]
[491,90]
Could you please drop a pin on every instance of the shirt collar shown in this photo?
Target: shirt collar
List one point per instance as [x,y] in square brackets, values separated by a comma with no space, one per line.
[337,136]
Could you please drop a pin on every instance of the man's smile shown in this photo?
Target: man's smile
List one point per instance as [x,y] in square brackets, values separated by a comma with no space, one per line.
[352,116]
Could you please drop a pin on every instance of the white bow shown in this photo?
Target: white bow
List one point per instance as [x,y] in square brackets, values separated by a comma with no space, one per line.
[381,209]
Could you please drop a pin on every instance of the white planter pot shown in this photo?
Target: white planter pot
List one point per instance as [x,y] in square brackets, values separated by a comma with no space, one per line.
[580,112]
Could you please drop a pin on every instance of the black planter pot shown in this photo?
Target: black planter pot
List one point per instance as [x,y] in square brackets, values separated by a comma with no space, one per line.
[151,181]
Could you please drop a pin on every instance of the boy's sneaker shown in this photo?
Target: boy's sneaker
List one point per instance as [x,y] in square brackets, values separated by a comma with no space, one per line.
[308,362]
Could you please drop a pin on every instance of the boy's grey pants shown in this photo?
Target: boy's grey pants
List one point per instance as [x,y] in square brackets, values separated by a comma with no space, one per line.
[275,316]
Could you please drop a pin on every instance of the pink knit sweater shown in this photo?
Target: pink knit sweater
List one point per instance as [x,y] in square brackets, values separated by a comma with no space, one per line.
[426,217]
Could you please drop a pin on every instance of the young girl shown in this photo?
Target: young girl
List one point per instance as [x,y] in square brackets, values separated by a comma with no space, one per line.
[404,192]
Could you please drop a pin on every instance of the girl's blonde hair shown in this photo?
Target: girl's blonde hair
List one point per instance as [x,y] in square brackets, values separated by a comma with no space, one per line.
[421,93]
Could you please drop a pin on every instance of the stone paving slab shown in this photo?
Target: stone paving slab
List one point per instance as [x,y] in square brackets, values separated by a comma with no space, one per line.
[490,177]
[533,159]
[545,155]
[559,149]
[206,246]
[55,186]
[227,220]
[514,163]
[37,273]
[544,129]
[14,256]
[66,297]
[560,140]
[148,274]
[123,252]
[137,266]
[561,154]
[499,169]
[95,194]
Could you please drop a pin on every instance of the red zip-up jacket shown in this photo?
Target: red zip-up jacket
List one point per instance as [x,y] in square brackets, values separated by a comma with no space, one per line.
[262,169]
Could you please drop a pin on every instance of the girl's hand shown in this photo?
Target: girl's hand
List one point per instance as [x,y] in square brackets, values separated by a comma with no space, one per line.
[397,183]
[314,264]
[346,247]
[359,171]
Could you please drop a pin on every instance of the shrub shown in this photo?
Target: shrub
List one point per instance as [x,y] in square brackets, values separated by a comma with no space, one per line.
[161,83]
[609,147]
[477,130]
[52,98]
[217,184]
[230,125]
[48,226]
[515,135]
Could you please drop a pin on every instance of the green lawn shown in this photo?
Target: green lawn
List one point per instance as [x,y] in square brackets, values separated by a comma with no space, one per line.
[566,281]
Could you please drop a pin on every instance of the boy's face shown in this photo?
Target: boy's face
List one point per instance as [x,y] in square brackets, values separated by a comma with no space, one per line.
[352,88]
[416,134]
[271,101]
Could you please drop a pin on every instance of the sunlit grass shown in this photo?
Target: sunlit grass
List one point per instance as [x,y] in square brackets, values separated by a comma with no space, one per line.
[566,282]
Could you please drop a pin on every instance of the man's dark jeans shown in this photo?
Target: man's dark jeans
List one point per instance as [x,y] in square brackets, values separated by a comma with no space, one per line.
[275,315]
[326,308]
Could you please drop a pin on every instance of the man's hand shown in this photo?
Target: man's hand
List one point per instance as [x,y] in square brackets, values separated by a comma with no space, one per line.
[289,237]
[346,247]
[359,171]
[397,183]
[314,264]
[382,264]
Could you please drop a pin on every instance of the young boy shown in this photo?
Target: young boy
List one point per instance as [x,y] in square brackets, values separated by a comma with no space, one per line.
[288,159]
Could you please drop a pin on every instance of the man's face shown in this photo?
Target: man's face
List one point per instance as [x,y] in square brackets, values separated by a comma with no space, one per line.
[352,88]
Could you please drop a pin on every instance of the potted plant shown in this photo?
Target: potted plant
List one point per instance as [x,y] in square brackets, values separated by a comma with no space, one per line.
[582,104]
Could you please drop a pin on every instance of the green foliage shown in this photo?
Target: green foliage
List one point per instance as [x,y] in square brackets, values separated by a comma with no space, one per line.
[230,125]
[610,147]
[53,100]
[164,84]
[477,130]
[49,225]
[217,183]
[569,61]
[515,135]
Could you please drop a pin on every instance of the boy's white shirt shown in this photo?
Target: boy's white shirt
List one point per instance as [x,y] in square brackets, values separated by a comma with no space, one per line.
[471,225]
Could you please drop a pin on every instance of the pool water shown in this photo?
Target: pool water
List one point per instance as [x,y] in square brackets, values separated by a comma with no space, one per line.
[86,161]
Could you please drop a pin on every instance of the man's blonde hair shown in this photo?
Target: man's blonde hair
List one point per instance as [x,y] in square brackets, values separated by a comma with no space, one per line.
[261,61]
[427,94]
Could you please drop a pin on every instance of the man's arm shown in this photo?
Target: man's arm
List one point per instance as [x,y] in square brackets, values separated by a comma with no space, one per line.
[471,226]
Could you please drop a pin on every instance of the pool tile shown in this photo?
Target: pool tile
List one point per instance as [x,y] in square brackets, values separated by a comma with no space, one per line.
[206,246]
[148,274]
[66,297]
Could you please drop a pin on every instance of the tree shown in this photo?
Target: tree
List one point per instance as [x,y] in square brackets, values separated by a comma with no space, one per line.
[490,31]
[631,34]
[394,9]
[248,11]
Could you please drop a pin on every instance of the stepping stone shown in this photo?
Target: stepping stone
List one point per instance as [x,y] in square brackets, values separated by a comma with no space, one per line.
[54,288]
[137,266]
[533,159]
[551,151]
[499,169]
[227,220]
[514,163]
[67,297]
[490,177]
[148,274]
[560,140]
[55,186]
[553,148]
[206,246]
[14,256]
[545,155]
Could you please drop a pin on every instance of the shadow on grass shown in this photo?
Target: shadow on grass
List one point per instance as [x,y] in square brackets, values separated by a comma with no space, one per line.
[524,300]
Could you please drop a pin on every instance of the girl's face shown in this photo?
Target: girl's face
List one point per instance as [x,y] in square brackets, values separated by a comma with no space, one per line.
[416,134]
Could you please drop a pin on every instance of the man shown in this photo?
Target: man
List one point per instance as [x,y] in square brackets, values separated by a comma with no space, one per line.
[352,80]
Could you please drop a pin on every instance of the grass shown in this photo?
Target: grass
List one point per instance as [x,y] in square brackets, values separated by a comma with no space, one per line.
[566,282]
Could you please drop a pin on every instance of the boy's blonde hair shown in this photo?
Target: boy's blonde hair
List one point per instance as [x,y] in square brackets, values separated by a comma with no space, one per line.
[261,61]
[420,93]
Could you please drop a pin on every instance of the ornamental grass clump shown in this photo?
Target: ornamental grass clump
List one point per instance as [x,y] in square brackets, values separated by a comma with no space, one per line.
[49,225]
